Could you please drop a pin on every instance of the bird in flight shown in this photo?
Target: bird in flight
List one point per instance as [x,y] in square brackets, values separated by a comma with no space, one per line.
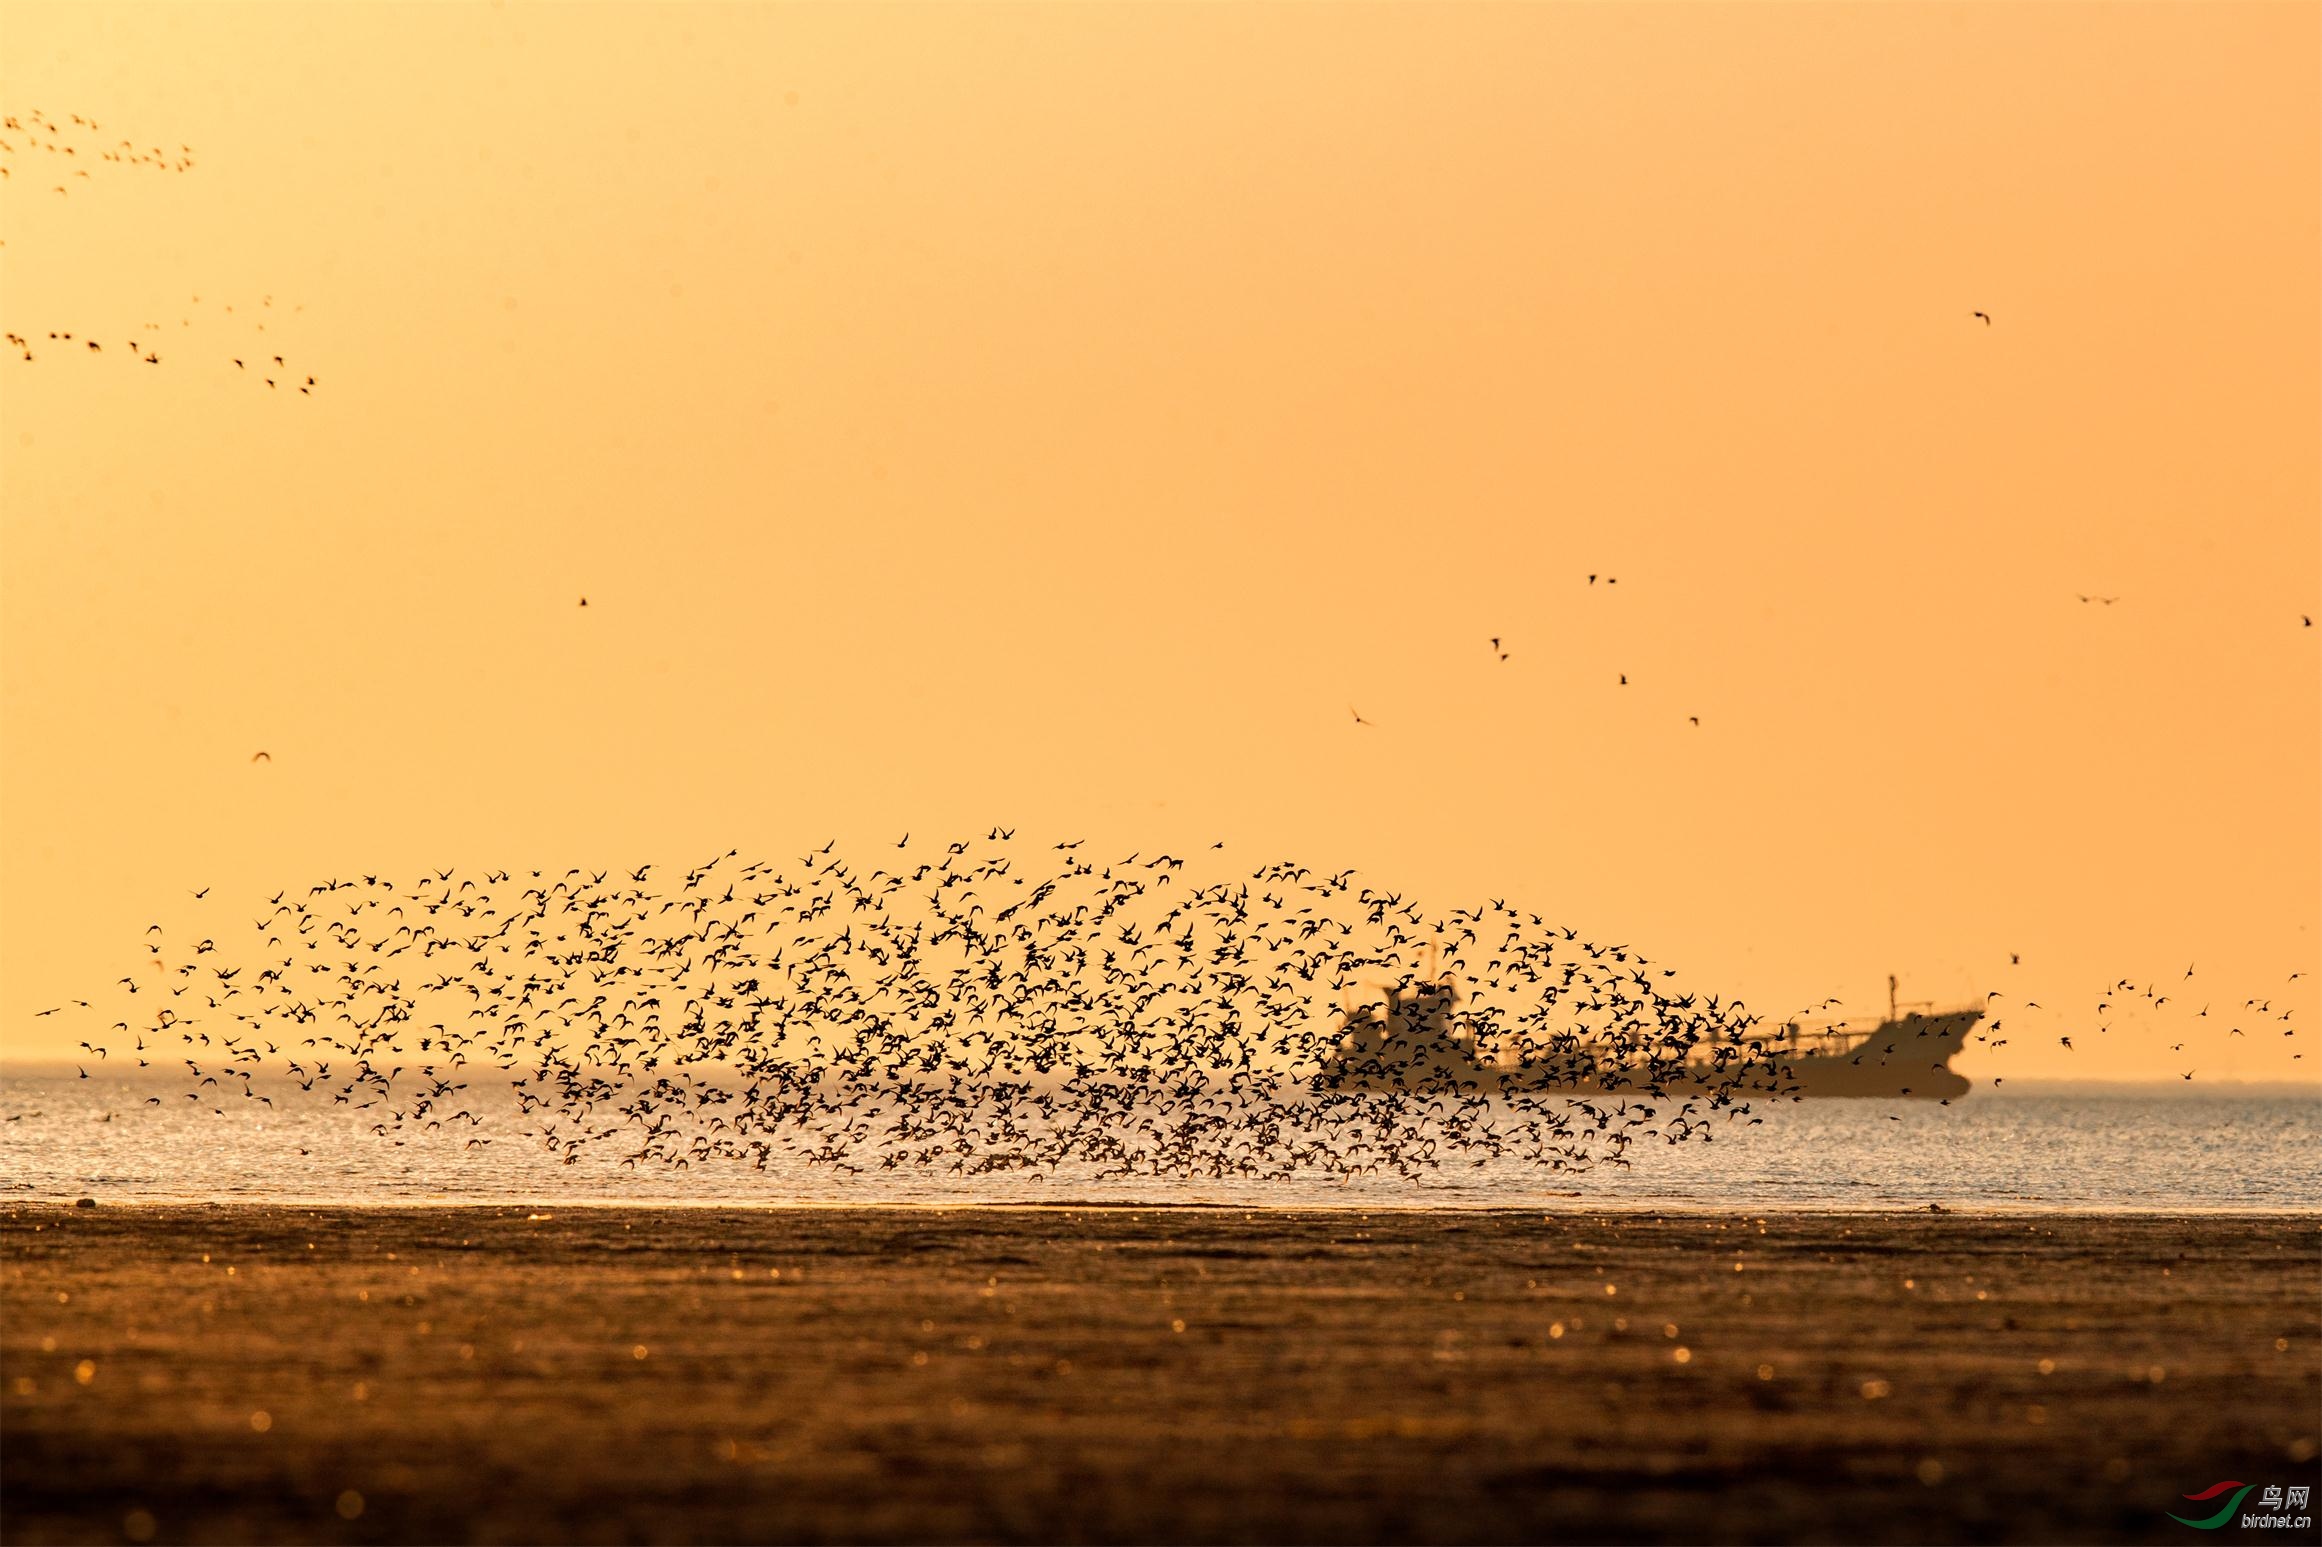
[2107,600]
[261,757]
[1357,713]
[1496,646]
[584,601]
[1986,316]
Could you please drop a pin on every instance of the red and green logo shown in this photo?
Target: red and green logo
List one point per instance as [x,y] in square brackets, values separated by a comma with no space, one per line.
[2211,1492]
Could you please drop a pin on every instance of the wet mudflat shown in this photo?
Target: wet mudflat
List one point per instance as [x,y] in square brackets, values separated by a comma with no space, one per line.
[1092,1374]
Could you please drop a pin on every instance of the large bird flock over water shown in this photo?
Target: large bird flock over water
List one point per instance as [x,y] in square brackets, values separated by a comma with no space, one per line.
[960,1008]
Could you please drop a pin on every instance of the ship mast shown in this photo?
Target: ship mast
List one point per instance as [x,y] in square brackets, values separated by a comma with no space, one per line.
[1890,996]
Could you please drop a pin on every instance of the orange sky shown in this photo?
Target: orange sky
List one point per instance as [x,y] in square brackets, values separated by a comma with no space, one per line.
[1061,415]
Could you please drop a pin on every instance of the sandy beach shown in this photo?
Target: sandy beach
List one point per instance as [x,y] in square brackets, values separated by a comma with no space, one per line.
[1098,1374]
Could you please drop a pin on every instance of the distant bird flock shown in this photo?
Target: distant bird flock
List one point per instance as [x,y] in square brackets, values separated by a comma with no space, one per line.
[960,1007]
[966,1007]
[68,159]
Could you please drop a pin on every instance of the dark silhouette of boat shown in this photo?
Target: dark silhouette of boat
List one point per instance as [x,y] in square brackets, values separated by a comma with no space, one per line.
[1907,1054]
[1415,1041]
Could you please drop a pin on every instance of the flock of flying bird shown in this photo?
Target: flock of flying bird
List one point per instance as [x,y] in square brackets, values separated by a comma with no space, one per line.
[2124,996]
[70,151]
[972,1007]
[963,1008]
[147,352]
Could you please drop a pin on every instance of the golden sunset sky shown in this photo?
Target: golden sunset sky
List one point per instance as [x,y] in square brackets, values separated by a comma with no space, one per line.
[1067,416]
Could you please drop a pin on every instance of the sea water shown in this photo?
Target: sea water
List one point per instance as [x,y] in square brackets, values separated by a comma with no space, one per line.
[63,1136]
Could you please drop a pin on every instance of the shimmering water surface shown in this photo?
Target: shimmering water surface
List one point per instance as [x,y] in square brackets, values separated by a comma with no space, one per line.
[62,1136]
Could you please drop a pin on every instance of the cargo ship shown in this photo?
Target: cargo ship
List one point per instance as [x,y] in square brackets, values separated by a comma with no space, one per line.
[1417,1043]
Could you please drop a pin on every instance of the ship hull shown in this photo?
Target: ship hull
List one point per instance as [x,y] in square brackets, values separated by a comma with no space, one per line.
[1907,1058]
